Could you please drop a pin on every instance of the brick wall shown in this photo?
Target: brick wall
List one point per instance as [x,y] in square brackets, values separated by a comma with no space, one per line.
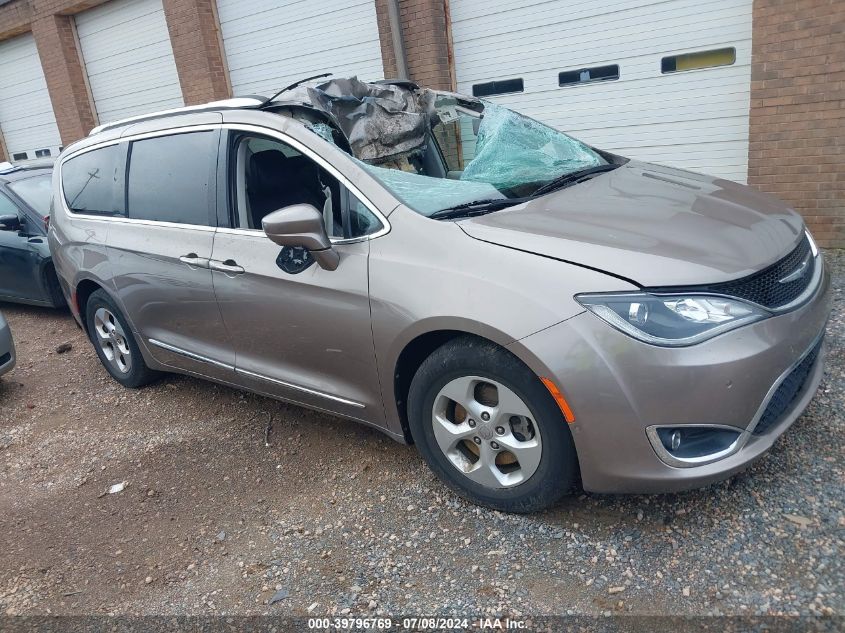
[67,83]
[198,50]
[797,118]
[797,122]
[425,28]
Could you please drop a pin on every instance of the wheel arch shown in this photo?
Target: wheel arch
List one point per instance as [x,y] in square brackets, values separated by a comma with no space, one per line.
[420,346]
[82,291]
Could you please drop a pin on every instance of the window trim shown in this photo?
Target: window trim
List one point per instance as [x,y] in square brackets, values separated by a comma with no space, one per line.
[120,194]
[125,141]
[241,127]
[212,220]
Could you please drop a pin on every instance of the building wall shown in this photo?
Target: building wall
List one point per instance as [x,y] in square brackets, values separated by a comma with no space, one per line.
[427,48]
[797,121]
[194,35]
[797,116]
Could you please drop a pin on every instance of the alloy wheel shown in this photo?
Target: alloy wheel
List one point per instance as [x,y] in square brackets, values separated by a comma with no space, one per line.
[112,340]
[486,431]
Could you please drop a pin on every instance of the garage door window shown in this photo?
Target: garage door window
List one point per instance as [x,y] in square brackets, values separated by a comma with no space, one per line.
[170,178]
[91,182]
[501,87]
[588,75]
[697,61]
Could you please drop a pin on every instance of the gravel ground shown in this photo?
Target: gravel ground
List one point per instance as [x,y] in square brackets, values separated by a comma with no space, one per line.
[215,520]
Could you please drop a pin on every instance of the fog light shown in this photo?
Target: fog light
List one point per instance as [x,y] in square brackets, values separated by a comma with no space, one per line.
[693,445]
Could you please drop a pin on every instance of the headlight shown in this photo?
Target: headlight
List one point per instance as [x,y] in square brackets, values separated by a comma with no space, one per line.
[671,320]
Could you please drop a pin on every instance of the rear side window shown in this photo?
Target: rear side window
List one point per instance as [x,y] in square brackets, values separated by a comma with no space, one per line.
[170,178]
[91,182]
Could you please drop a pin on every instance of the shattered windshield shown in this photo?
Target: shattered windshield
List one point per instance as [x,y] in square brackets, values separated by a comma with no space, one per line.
[436,151]
[494,153]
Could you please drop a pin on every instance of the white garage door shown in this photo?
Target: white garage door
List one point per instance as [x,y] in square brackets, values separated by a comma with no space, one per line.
[27,122]
[128,58]
[270,44]
[666,106]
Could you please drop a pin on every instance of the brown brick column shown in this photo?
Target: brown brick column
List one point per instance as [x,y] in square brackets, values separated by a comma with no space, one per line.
[67,82]
[198,50]
[797,122]
[425,28]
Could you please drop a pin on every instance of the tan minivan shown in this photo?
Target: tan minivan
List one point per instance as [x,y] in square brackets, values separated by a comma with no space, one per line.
[531,312]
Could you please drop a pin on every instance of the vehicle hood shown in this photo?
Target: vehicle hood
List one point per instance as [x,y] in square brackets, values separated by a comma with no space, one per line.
[656,226]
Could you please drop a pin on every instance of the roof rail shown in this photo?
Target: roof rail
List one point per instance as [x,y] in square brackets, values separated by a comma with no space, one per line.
[251,101]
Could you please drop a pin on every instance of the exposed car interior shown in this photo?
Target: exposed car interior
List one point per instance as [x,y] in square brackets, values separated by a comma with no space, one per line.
[272,175]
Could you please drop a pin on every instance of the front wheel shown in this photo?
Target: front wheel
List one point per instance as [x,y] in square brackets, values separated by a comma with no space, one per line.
[489,428]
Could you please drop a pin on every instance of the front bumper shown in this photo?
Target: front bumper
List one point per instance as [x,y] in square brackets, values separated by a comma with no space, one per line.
[618,388]
[7,348]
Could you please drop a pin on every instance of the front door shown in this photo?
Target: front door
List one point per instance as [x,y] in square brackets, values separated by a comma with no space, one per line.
[300,332]
[159,253]
[19,259]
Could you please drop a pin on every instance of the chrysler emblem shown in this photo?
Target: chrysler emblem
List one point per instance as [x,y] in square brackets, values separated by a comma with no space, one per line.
[799,272]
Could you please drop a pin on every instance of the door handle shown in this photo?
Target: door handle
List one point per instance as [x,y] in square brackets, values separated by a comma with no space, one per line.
[230,267]
[192,259]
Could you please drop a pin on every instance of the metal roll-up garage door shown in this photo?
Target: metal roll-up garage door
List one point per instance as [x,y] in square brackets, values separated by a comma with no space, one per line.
[270,43]
[128,58]
[668,82]
[27,122]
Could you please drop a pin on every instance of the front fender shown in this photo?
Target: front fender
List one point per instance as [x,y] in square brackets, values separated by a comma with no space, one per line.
[429,276]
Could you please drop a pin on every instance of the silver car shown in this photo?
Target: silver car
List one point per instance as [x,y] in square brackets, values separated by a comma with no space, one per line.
[7,347]
[531,312]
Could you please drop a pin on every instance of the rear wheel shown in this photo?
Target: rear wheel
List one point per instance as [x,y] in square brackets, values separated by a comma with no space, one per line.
[114,342]
[489,428]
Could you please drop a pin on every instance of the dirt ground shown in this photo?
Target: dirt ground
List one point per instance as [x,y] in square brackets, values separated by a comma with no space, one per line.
[340,519]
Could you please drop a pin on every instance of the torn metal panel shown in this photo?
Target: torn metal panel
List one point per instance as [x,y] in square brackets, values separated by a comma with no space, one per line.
[380,121]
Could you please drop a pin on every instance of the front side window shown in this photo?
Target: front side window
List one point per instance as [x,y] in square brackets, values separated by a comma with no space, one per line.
[170,178]
[36,192]
[91,182]
[271,175]
[7,207]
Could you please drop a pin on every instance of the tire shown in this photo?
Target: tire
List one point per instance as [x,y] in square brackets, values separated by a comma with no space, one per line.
[536,481]
[114,342]
[54,290]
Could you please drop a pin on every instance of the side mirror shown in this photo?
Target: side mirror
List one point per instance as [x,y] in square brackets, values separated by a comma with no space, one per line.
[10,222]
[302,225]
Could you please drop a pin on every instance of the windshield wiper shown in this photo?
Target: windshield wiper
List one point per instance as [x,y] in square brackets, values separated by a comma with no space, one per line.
[477,207]
[572,178]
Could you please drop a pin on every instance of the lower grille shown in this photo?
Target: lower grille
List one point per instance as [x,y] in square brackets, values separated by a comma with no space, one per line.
[788,392]
[5,358]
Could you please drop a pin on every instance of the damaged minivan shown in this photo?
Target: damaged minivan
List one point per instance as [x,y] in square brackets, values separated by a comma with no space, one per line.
[533,313]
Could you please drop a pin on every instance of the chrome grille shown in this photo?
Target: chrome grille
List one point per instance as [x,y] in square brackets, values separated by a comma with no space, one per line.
[766,287]
[770,287]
